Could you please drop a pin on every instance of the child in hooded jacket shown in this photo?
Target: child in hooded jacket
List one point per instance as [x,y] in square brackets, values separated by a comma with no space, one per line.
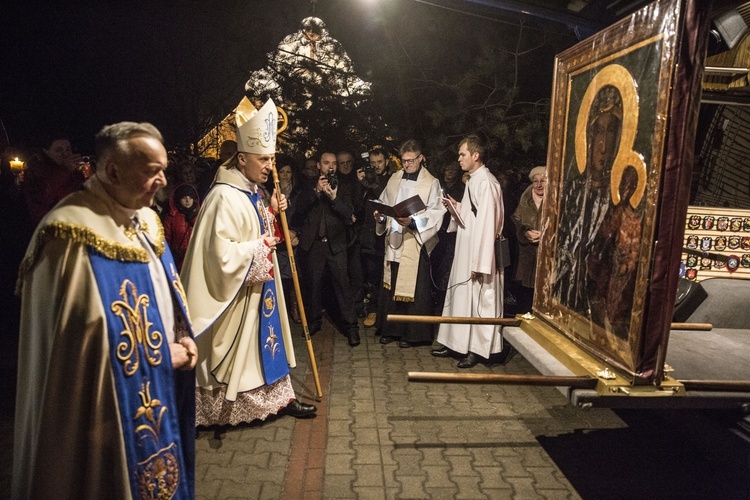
[178,223]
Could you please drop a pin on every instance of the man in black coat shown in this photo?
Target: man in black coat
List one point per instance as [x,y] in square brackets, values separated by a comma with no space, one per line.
[324,241]
[372,246]
[349,182]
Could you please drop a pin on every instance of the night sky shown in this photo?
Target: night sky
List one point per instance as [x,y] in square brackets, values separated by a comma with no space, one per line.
[78,67]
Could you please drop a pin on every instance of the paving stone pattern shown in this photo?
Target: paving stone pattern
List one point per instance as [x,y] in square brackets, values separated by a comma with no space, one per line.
[378,436]
[389,438]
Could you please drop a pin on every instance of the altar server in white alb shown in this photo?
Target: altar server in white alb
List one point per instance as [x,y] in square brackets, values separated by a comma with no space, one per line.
[233,287]
[475,288]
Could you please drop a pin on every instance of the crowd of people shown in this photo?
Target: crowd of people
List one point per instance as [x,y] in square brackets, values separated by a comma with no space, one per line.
[184,297]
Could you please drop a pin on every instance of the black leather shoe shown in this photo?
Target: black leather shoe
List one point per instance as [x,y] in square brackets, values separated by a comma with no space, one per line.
[314,328]
[469,361]
[404,344]
[387,340]
[503,356]
[354,337]
[300,410]
[442,352]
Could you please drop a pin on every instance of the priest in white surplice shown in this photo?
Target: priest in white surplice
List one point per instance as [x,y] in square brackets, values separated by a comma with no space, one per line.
[408,243]
[475,288]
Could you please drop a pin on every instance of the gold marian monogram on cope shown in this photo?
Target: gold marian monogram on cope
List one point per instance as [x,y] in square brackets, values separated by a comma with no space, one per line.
[133,311]
[158,476]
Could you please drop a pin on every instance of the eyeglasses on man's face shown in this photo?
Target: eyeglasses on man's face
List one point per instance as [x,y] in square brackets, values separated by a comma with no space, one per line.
[410,161]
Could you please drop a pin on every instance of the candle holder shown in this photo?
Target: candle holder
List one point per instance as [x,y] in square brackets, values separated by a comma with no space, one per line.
[18,169]
[16,166]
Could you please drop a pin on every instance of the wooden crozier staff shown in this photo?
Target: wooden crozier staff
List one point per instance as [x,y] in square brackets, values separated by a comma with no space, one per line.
[293,265]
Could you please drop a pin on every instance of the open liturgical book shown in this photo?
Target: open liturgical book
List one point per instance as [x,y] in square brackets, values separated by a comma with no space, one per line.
[406,208]
[454,213]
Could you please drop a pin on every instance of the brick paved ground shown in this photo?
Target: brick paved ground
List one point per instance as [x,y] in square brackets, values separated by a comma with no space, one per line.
[379,436]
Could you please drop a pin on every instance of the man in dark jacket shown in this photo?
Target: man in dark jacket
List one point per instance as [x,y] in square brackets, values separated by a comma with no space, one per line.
[348,181]
[329,211]
[372,246]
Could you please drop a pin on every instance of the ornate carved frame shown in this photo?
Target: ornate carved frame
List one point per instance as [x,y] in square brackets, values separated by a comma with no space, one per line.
[586,265]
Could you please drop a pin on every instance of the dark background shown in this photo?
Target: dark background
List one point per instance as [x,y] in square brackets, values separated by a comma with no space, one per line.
[77,67]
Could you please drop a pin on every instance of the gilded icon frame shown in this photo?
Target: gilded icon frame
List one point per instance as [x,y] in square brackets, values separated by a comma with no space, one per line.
[610,138]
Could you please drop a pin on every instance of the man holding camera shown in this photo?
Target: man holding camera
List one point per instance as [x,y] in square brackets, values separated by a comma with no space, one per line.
[329,212]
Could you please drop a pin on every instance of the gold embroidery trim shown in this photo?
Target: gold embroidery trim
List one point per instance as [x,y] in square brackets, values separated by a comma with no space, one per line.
[159,475]
[86,236]
[133,311]
[160,238]
[178,286]
[403,298]
[271,344]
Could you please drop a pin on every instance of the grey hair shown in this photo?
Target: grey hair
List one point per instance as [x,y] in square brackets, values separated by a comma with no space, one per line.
[112,139]
[410,146]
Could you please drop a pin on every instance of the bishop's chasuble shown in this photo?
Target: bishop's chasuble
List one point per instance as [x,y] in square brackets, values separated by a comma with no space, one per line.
[242,329]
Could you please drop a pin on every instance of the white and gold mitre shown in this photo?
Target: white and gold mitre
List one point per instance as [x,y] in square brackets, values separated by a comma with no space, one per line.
[256,129]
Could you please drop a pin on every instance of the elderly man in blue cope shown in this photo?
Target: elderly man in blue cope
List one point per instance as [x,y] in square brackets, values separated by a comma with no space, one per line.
[233,286]
[475,287]
[105,404]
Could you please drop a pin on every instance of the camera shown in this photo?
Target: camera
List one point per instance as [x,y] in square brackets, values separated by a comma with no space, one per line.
[368,169]
[333,181]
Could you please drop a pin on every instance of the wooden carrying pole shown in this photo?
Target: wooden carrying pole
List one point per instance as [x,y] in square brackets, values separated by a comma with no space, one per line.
[582,382]
[406,318]
[704,327]
[293,266]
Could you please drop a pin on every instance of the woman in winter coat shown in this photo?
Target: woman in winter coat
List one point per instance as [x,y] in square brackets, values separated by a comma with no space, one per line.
[527,219]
